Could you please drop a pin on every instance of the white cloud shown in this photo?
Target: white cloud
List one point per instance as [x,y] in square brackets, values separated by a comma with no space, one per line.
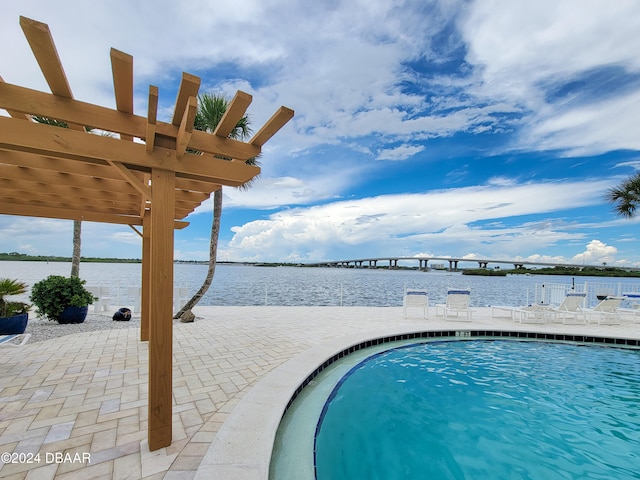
[591,129]
[531,45]
[597,252]
[444,221]
[399,153]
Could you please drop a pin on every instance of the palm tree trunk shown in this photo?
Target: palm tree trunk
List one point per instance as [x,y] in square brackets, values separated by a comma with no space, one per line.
[185,314]
[75,259]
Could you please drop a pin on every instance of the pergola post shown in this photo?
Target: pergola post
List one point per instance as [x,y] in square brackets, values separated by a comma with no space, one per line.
[161,302]
[146,277]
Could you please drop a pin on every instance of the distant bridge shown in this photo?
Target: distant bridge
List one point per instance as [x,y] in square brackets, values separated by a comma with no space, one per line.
[453,263]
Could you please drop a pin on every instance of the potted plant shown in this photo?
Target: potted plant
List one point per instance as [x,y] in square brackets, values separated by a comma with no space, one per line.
[62,298]
[13,315]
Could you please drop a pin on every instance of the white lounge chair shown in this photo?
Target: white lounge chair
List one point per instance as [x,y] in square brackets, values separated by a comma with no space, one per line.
[16,340]
[571,309]
[634,311]
[457,303]
[104,299]
[606,311]
[415,298]
[535,313]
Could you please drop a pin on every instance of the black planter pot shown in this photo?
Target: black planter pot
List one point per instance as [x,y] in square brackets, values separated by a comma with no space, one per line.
[73,314]
[14,325]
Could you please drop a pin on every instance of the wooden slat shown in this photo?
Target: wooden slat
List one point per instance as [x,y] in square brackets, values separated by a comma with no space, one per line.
[66,214]
[24,100]
[58,164]
[69,214]
[152,113]
[53,179]
[191,198]
[186,127]
[78,198]
[122,70]
[196,186]
[235,111]
[269,129]
[90,169]
[39,189]
[189,86]
[69,204]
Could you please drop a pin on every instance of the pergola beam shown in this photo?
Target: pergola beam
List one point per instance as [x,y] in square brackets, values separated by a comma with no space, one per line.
[27,101]
[273,125]
[44,50]
[152,113]
[189,86]
[59,142]
[122,70]
[235,111]
[186,127]
[13,113]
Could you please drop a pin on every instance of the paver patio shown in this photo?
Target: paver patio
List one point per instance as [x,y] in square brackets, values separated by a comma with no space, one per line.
[87,393]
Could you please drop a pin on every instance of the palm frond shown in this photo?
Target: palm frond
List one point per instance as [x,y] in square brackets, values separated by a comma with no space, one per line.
[626,196]
[211,109]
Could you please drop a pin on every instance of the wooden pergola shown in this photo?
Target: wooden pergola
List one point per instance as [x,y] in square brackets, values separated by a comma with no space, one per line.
[141,174]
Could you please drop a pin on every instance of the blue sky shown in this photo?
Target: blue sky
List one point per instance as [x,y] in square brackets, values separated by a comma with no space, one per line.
[483,129]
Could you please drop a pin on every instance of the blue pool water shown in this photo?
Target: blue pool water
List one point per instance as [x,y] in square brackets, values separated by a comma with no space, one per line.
[484,410]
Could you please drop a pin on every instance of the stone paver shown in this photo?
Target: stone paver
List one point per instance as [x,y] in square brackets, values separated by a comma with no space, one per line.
[87,393]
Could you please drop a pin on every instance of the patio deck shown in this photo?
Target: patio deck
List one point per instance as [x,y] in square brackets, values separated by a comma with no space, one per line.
[87,393]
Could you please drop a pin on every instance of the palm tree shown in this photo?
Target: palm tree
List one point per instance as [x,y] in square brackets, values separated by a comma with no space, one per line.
[77,224]
[626,196]
[211,108]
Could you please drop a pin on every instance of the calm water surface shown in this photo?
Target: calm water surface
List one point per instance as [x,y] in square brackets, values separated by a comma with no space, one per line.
[484,410]
[249,285]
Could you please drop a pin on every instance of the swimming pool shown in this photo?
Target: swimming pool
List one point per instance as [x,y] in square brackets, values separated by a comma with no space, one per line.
[480,409]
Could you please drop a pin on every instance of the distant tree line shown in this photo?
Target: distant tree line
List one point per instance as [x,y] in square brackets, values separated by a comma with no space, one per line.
[558,270]
[23,257]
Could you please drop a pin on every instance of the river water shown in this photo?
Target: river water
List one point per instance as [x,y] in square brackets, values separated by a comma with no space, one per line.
[252,285]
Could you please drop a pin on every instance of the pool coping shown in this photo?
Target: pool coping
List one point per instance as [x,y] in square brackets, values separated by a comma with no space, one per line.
[243,446]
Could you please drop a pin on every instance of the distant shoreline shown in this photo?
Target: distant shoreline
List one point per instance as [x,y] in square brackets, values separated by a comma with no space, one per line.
[21,257]
[589,271]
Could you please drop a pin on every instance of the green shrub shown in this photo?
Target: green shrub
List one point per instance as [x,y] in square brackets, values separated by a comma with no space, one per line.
[10,287]
[54,293]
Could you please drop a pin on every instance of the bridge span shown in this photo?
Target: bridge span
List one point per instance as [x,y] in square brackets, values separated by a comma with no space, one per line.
[423,263]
